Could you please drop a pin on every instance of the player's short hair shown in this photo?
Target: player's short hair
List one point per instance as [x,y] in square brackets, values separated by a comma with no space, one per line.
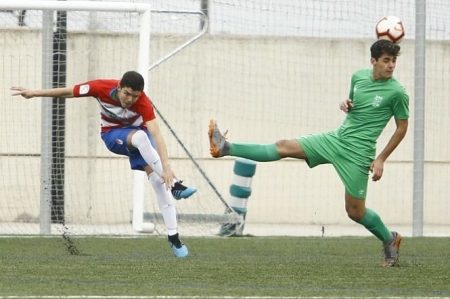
[132,79]
[384,46]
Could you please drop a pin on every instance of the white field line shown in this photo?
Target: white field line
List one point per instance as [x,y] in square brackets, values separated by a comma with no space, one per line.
[201,297]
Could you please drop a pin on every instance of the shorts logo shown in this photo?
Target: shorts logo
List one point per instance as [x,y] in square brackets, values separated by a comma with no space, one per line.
[119,141]
[361,192]
[84,89]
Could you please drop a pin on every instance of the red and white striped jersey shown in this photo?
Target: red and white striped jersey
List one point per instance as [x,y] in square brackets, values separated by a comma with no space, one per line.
[112,114]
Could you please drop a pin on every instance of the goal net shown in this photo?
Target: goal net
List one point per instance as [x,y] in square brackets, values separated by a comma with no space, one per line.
[89,190]
[266,70]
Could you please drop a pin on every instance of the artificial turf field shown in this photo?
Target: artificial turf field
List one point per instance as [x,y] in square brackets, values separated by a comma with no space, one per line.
[237,267]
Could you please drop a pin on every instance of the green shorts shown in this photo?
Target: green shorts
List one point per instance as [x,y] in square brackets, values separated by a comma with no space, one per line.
[352,168]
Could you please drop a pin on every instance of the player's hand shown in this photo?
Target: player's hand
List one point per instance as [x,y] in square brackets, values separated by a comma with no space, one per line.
[21,91]
[168,177]
[346,105]
[376,168]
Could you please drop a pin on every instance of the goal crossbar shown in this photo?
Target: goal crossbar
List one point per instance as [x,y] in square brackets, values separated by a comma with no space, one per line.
[77,6]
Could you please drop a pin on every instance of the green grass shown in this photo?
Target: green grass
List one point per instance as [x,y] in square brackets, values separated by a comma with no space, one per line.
[250,266]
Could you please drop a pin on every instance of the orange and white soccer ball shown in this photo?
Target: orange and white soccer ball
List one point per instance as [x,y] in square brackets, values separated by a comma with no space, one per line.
[391,28]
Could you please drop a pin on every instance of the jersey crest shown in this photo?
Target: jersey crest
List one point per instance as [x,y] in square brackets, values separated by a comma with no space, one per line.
[377,101]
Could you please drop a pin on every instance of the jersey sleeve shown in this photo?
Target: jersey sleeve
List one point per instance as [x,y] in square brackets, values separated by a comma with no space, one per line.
[87,89]
[145,108]
[400,104]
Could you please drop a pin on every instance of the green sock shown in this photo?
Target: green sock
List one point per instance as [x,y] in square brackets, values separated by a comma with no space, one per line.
[375,225]
[255,152]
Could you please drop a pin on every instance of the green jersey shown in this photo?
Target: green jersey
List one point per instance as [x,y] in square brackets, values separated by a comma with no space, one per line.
[374,104]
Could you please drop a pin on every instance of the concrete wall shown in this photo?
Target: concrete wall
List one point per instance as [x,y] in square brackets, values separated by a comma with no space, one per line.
[261,89]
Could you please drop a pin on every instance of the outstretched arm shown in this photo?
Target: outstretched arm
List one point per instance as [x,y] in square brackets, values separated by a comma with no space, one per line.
[378,164]
[64,92]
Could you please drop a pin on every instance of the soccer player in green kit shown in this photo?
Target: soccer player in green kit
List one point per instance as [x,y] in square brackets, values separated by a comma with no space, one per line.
[375,96]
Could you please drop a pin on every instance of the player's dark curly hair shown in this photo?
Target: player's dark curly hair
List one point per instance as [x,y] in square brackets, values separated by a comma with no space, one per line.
[132,79]
[384,46]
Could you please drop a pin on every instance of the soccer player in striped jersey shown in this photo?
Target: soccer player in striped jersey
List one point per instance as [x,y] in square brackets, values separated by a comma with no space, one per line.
[375,97]
[129,127]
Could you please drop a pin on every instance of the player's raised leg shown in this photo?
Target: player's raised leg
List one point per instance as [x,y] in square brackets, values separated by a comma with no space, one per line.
[220,147]
[140,140]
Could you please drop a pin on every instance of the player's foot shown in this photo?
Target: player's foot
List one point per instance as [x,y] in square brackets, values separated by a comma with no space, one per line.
[391,250]
[180,191]
[178,248]
[218,144]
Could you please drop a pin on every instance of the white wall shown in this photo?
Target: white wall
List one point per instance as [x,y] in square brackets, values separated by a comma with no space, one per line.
[261,89]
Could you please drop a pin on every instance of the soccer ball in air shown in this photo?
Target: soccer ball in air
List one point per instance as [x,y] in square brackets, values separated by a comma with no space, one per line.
[391,28]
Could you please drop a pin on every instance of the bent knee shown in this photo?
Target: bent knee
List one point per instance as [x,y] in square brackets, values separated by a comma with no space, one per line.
[290,148]
[138,137]
[355,216]
[355,212]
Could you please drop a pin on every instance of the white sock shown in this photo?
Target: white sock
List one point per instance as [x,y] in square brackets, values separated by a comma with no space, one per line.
[141,141]
[165,203]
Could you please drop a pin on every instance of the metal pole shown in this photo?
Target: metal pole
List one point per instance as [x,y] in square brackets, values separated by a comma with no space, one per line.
[46,125]
[419,118]
[204,7]
[58,119]
[188,42]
